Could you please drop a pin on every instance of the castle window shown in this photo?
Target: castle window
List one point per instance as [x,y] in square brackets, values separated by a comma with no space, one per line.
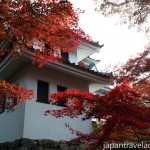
[2,103]
[42,91]
[61,102]
[65,56]
[15,101]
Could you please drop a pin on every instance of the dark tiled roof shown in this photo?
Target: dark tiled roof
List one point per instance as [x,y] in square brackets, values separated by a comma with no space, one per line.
[96,44]
[108,75]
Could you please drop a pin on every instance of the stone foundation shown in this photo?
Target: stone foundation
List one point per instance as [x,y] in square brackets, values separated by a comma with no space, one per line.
[29,144]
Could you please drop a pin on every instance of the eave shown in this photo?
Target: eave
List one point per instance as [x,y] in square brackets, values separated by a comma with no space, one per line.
[9,66]
[90,60]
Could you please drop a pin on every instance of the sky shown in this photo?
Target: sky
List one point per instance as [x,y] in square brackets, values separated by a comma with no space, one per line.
[119,42]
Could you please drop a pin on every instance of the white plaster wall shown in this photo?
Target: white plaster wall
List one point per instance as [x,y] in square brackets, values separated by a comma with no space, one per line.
[37,125]
[73,56]
[12,123]
[94,69]
[19,77]
[84,51]
[54,78]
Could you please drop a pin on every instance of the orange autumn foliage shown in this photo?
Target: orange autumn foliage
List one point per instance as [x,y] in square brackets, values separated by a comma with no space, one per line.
[14,94]
[45,27]
[124,109]
[119,108]
[42,26]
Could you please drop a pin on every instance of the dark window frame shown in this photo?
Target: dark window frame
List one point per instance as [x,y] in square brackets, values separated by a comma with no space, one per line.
[39,92]
[61,102]
[15,101]
[2,104]
[65,56]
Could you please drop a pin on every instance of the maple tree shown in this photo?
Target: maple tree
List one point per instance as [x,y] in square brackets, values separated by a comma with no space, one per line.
[136,69]
[15,94]
[120,109]
[124,111]
[44,27]
[133,12]
[26,25]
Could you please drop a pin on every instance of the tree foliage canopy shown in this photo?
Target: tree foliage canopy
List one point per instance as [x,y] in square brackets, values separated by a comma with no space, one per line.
[136,69]
[14,94]
[133,12]
[42,26]
[26,25]
[124,111]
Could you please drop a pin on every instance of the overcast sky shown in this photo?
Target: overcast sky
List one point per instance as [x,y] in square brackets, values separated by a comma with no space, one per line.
[119,42]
